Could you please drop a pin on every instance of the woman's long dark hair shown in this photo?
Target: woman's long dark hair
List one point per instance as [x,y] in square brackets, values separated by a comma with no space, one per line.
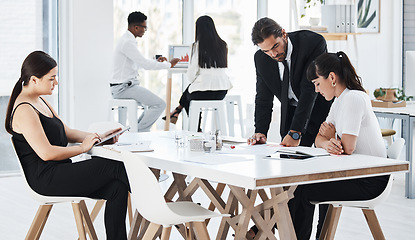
[338,63]
[36,64]
[213,51]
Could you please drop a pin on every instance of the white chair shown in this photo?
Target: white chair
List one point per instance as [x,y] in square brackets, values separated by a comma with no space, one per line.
[217,106]
[132,109]
[82,217]
[329,227]
[150,203]
[231,101]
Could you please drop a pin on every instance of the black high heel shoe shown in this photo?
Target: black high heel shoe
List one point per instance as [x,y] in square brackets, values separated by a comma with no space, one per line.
[174,116]
[248,235]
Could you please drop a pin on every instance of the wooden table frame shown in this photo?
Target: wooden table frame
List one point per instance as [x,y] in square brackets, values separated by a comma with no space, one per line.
[261,214]
[273,210]
[247,180]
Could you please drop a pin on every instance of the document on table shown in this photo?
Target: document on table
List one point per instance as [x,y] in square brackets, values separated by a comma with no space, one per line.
[244,148]
[309,151]
[143,146]
[234,153]
[233,140]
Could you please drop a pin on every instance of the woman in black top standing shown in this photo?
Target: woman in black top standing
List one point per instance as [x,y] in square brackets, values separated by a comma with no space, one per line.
[40,139]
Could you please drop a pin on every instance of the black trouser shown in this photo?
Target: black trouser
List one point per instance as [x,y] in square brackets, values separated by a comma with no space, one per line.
[200,95]
[97,178]
[302,210]
[307,139]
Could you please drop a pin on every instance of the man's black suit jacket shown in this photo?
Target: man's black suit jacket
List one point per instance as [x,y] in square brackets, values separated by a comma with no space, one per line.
[312,108]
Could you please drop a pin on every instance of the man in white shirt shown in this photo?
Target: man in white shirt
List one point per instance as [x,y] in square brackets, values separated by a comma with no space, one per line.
[126,62]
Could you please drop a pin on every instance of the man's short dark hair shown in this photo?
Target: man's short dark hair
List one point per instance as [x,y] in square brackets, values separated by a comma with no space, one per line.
[264,28]
[136,18]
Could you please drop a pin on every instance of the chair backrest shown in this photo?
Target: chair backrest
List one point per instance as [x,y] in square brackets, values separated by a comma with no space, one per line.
[38,197]
[394,150]
[146,192]
[31,192]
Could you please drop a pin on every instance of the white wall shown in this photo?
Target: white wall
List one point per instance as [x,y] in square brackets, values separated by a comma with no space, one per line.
[377,56]
[86,45]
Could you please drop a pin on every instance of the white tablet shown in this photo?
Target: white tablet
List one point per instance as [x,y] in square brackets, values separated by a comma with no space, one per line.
[111,136]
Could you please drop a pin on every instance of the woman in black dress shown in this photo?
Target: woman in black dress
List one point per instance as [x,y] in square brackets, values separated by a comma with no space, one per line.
[40,139]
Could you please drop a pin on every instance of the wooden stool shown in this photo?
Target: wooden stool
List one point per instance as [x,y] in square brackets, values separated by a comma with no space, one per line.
[388,135]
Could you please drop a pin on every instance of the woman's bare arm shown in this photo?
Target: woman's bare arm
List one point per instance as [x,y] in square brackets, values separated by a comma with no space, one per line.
[26,121]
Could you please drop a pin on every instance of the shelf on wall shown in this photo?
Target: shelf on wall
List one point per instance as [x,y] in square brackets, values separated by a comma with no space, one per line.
[337,36]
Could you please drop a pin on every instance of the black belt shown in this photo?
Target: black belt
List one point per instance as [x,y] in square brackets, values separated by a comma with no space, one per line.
[116,84]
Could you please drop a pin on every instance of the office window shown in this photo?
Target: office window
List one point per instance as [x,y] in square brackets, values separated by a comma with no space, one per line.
[164,22]
[234,20]
[25,26]
[279,10]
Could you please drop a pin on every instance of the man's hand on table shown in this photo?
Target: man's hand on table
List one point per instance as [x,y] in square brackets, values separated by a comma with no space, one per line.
[257,138]
[288,141]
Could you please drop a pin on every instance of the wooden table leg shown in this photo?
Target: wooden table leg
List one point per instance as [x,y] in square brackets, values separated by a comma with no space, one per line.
[135,225]
[247,201]
[231,204]
[219,190]
[282,213]
[130,210]
[168,102]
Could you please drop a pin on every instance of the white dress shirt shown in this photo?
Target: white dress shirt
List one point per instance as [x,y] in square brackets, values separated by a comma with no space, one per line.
[291,94]
[204,79]
[127,60]
[352,113]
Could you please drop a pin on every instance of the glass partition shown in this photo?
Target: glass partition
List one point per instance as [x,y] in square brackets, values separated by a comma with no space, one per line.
[234,20]
[25,26]
[164,22]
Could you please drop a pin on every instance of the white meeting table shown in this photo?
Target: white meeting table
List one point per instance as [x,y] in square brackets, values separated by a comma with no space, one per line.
[407,115]
[247,173]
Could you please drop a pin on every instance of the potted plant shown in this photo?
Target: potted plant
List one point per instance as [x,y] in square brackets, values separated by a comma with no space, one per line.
[310,4]
[391,94]
[385,94]
[401,95]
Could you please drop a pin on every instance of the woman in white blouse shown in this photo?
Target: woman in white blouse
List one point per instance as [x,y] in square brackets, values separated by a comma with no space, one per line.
[207,68]
[351,127]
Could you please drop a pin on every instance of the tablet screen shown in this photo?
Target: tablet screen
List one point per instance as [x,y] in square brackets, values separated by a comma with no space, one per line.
[111,136]
[294,156]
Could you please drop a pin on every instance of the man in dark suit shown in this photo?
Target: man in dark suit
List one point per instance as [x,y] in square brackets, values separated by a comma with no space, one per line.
[281,66]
